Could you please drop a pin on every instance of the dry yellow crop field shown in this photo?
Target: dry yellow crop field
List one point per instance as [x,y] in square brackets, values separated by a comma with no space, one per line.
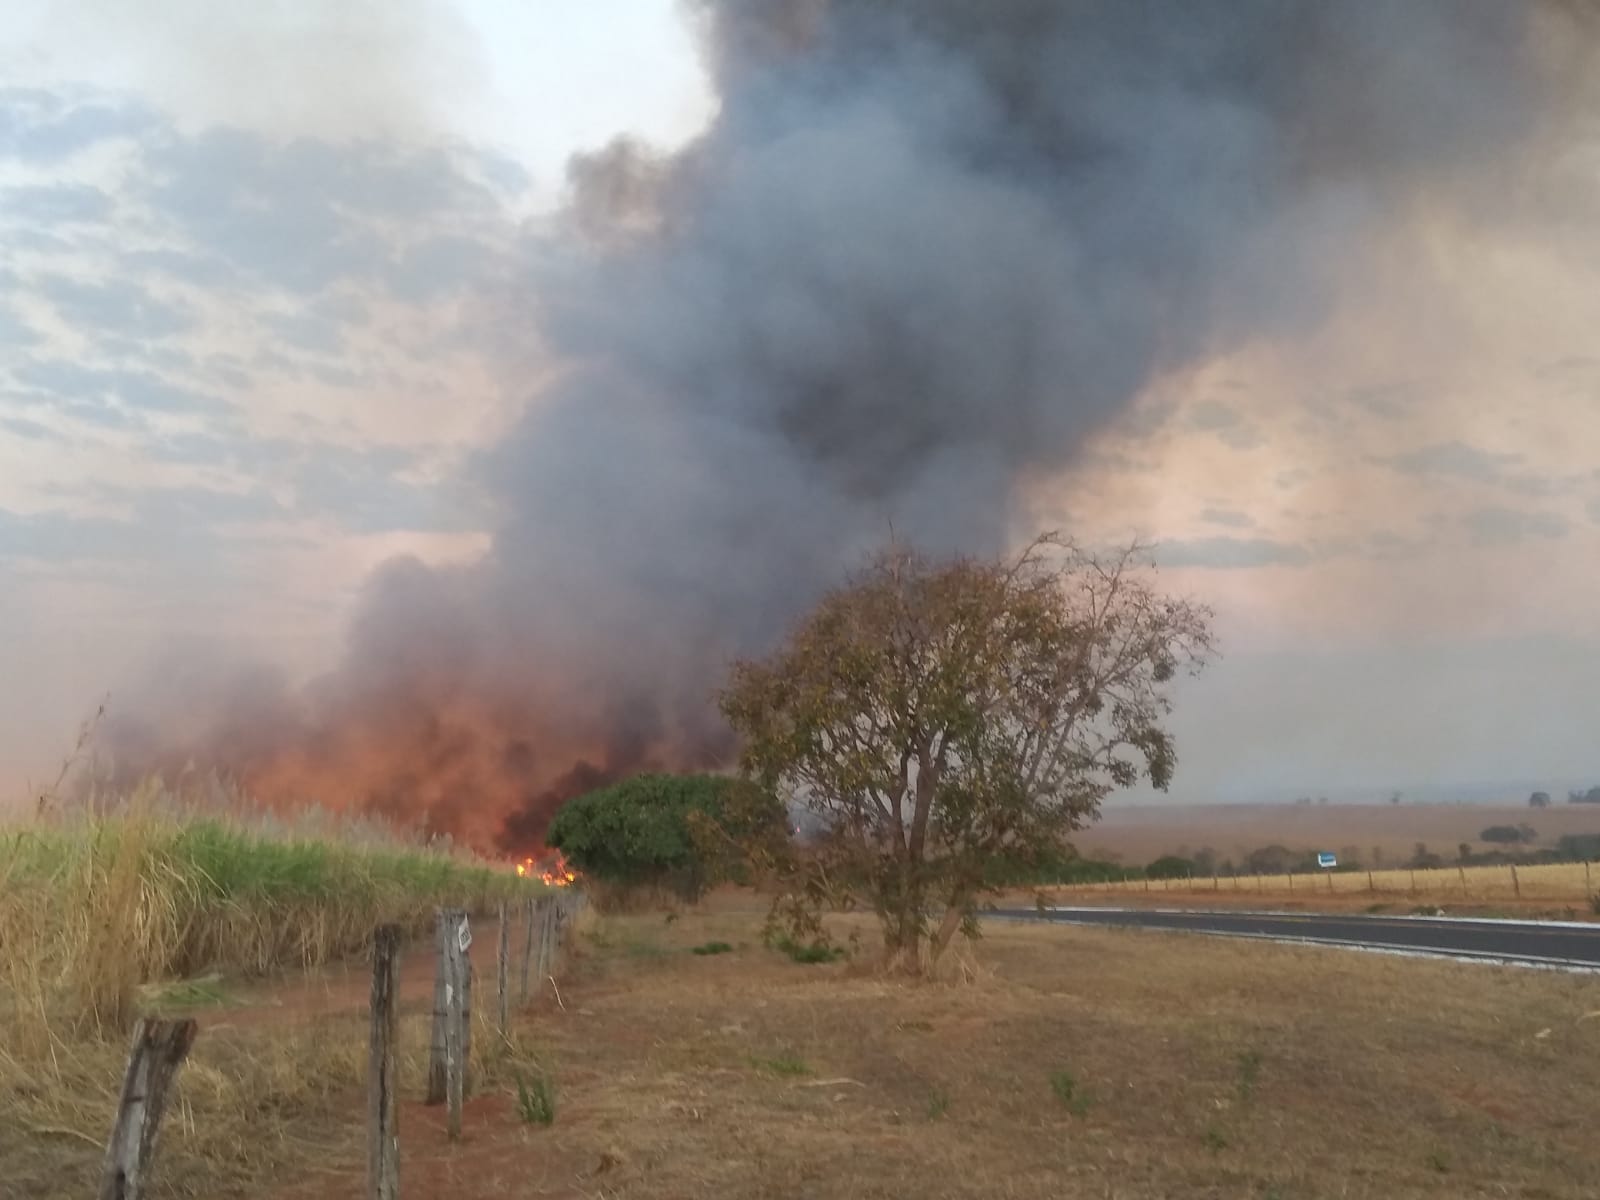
[1569,884]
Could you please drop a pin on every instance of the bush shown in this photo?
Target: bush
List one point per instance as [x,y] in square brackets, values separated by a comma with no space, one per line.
[807,952]
[681,833]
[1506,834]
[536,1100]
[1170,866]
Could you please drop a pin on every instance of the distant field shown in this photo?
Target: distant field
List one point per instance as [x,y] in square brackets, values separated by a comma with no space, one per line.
[1563,889]
[1137,835]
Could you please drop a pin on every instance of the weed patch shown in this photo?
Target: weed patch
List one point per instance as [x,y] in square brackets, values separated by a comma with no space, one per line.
[709,948]
[808,952]
[536,1099]
[1066,1090]
[785,1064]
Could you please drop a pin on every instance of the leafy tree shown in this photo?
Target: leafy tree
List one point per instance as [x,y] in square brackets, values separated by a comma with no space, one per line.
[939,717]
[1578,847]
[671,831]
[1503,833]
[1170,866]
[1539,800]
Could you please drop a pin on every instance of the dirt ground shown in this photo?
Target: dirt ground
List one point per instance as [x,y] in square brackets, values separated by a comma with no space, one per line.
[1051,1062]
[1055,1063]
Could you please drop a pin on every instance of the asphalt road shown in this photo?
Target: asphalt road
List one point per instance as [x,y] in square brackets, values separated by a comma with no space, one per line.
[1540,943]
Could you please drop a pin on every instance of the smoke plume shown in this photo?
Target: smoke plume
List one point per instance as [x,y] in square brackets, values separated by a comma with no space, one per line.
[926,250]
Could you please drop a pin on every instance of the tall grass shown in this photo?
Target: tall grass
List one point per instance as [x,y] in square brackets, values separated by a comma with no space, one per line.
[93,905]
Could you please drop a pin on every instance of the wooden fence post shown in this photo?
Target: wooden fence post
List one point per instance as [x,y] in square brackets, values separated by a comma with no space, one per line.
[1587,886]
[1291,881]
[528,910]
[503,969]
[1371,890]
[158,1050]
[1330,881]
[1516,884]
[383,1072]
[1413,872]
[1462,871]
[451,1049]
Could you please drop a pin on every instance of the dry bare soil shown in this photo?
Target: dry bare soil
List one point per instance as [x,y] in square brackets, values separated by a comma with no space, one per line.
[1138,834]
[1054,1062]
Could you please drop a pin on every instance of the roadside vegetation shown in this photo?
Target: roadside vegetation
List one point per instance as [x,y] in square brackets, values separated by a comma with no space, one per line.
[93,906]
[151,905]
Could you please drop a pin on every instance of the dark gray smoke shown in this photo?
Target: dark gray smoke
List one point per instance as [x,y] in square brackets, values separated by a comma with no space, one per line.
[927,249]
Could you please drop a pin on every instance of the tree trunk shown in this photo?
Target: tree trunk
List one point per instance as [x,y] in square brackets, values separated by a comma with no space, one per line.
[947,930]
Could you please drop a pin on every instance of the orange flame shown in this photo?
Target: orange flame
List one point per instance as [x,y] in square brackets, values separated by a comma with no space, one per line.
[558,874]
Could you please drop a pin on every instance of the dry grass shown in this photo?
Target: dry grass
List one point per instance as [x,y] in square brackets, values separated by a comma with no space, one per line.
[94,910]
[1140,833]
[1060,1062]
[1563,889]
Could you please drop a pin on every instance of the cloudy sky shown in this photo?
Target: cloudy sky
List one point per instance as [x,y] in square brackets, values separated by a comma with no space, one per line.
[257,312]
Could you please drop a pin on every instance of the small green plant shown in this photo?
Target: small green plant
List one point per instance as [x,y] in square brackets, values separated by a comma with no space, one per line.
[938,1103]
[1215,1140]
[536,1099]
[1249,1072]
[1379,907]
[808,952]
[1439,1161]
[203,992]
[1067,1092]
[712,948]
[787,1063]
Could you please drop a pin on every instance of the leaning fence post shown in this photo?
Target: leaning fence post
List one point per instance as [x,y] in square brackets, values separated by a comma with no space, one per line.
[1370,889]
[1587,886]
[158,1050]
[503,967]
[1516,884]
[1462,872]
[383,1099]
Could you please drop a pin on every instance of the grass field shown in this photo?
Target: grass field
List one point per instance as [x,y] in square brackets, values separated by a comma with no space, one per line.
[1382,834]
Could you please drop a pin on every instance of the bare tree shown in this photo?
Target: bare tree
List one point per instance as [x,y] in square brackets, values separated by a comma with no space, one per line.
[951,721]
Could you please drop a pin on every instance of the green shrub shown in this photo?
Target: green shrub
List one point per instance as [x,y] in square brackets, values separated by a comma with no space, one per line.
[808,952]
[681,833]
[786,1063]
[536,1100]
[712,948]
[1068,1093]
[1170,866]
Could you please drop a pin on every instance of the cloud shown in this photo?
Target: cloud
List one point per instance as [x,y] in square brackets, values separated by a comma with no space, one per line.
[38,125]
[1230,427]
[1229,553]
[1508,526]
[1228,518]
[1455,460]
[14,331]
[55,204]
[99,389]
[117,306]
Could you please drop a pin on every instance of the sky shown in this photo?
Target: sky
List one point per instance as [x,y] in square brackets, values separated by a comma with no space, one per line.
[260,312]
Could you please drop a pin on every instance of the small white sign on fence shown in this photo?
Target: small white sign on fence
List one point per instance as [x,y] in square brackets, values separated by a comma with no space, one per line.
[464,936]
[1327,861]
